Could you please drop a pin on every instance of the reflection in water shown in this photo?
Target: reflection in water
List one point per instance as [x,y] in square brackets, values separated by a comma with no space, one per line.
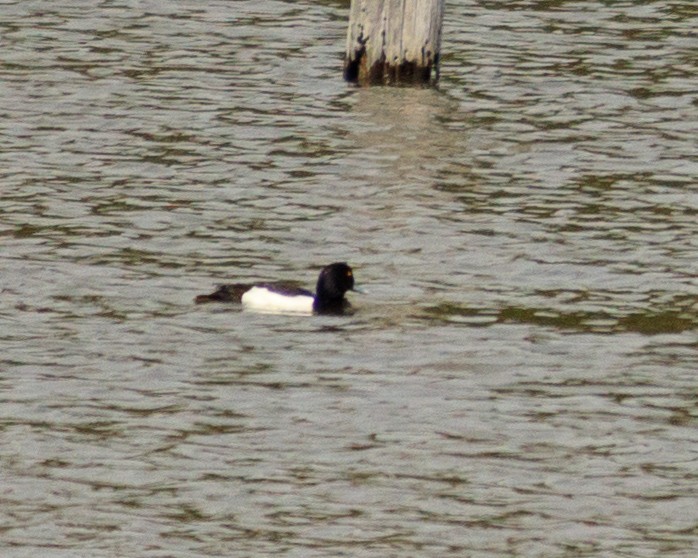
[519,378]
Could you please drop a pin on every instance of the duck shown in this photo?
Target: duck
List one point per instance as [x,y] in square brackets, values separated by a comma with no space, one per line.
[332,284]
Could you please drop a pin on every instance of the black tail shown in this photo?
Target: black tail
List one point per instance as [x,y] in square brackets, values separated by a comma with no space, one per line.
[224,293]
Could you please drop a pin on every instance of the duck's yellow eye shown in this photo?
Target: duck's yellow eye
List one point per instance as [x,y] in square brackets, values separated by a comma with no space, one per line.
[349,273]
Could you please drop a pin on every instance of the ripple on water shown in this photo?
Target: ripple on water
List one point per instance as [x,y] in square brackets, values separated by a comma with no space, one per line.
[519,379]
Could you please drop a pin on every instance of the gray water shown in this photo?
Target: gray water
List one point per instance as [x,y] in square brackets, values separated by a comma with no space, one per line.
[519,378]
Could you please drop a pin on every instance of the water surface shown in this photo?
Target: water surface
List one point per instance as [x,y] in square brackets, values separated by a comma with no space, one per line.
[519,379]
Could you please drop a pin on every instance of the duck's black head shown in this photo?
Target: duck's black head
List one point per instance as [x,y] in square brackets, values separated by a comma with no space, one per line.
[334,281]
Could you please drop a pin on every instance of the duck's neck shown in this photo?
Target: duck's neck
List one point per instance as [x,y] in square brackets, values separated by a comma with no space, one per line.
[332,306]
[328,302]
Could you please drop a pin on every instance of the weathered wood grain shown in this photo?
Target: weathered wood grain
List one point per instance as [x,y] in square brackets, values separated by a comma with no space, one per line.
[393,41]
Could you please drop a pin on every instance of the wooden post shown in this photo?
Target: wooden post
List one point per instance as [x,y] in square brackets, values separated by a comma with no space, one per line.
[394,42]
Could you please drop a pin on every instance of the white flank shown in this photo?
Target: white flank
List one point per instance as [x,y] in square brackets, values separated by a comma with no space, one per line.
[264,300]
